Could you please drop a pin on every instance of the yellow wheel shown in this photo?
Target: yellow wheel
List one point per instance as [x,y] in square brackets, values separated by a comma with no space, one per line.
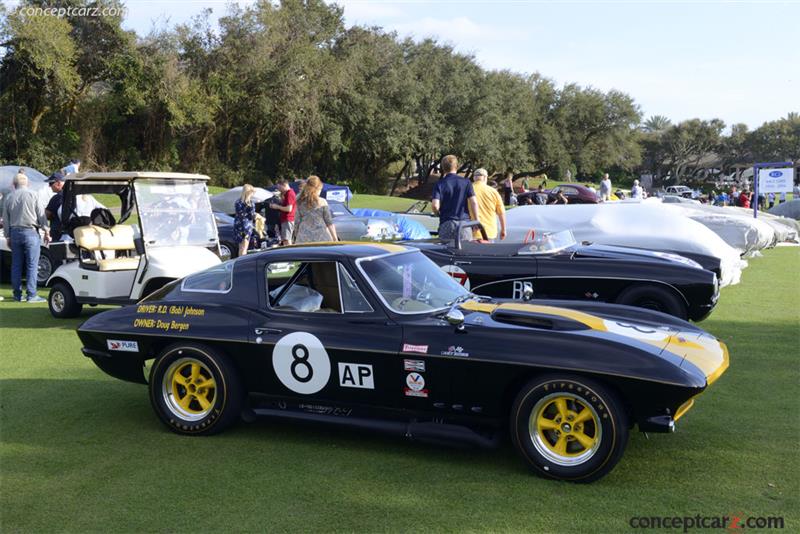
[569,427]
[189,388]
[195,390]
[565,429]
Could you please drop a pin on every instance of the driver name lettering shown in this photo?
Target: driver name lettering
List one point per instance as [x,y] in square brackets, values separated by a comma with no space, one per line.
[182,311]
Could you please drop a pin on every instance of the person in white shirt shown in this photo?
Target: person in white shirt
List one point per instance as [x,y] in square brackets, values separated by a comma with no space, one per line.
[636,190]
[605,188]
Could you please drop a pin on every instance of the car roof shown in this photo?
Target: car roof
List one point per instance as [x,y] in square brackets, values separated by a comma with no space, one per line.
[334,250]
[133,175]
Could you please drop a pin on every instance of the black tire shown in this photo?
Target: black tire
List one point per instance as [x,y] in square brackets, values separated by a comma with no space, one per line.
[654,298]
[581,448]
[187,405]
[45,267]
[62,301]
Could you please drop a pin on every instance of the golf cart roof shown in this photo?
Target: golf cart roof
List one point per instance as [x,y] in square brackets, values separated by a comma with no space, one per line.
[133,175]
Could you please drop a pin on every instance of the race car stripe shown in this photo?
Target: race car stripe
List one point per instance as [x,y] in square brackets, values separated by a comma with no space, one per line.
[593,322]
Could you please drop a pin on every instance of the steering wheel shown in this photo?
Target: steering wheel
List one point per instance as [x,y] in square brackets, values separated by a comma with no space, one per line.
[530,236]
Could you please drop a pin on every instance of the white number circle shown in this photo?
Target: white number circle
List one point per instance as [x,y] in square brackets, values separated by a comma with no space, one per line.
[301,363]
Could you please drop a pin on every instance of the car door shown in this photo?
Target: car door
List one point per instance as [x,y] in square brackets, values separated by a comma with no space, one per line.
[322,337]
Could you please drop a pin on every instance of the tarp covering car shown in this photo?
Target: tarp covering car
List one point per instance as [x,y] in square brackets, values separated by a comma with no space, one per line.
[225,202]
[789,209]
[410,229]
[36,182]
[651,226]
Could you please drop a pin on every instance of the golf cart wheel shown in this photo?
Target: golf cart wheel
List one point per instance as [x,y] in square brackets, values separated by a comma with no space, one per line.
[62,301]
[227,251]
[569,427]
[195,390]
[654,298]
[45,267]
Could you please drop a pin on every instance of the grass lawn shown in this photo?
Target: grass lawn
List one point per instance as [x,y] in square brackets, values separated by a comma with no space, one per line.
[83,452]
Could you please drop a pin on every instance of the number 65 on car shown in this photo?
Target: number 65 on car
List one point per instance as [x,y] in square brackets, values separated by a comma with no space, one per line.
[377,337]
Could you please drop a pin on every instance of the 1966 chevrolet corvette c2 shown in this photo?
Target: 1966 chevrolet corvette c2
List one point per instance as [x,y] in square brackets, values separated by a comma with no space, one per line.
[377,337]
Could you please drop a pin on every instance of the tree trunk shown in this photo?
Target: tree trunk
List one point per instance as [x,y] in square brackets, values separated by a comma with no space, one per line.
[399,175]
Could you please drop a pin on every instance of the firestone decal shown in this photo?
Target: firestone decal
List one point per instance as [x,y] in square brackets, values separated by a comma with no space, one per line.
[415,348]
[301,363]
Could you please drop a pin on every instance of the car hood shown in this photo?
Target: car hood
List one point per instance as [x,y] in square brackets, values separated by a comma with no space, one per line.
[685,341]
[613,252]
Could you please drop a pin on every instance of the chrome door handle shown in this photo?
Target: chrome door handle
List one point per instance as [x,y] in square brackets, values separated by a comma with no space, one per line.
[463,263]
[262,331]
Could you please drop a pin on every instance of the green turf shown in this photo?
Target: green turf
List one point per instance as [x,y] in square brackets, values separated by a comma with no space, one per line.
[83,452]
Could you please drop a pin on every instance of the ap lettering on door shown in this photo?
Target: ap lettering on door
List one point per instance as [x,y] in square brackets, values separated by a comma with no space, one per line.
[355,375]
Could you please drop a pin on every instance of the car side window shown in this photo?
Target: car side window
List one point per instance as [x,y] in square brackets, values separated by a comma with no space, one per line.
[352,298]
[313,286]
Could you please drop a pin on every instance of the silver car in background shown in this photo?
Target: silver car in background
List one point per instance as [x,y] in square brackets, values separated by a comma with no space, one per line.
[351,227]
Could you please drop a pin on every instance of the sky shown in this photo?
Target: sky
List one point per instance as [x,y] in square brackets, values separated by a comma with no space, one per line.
[730,59]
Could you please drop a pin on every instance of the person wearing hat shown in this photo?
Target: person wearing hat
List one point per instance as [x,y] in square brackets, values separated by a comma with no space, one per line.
[56,182]
[490,207]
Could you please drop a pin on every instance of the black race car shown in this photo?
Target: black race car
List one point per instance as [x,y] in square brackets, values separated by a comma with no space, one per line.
[377,337]
[554,266]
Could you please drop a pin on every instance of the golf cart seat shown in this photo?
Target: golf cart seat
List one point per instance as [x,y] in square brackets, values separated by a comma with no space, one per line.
[96,240]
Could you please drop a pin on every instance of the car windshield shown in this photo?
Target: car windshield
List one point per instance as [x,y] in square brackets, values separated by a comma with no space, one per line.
[409,282]
[337,208]
[175,212]
[546,242]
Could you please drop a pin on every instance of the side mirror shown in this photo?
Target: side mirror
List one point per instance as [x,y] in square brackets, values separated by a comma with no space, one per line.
[527,293]
[455,318]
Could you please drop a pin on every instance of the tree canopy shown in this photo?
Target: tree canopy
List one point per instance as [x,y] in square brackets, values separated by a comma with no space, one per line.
[284,89]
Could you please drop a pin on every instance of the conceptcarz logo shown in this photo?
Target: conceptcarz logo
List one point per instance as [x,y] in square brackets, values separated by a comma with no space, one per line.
[731,523]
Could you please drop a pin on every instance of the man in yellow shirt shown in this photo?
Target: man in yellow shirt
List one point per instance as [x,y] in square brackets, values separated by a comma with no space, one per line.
[490,207]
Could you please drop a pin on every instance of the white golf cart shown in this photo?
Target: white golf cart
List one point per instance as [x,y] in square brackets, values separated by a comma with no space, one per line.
[174,235]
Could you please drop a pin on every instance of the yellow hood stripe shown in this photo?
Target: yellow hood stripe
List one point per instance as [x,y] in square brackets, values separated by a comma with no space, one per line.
[591,321]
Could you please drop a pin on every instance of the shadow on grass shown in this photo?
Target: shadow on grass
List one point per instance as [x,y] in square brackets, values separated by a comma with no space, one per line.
[24,315]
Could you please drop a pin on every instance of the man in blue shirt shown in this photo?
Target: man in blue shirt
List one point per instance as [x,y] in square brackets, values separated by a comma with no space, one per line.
[449,200]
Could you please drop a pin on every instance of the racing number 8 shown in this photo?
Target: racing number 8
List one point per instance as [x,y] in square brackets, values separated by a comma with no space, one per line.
[301,359]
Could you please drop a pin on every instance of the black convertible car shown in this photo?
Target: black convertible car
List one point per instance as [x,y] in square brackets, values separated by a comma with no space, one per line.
[554,266]
[377,337]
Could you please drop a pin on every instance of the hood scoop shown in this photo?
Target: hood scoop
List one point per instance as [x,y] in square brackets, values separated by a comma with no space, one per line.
[532,319]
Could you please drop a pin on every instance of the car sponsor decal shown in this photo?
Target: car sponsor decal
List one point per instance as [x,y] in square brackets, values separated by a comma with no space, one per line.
[415,386]
[453,350]
[414,365]
[415,348]
[355,375]
[301,363]
[122,346]
[458,273]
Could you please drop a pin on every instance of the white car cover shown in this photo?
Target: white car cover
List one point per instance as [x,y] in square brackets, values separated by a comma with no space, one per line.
[789,209]
[225,202]
[647,225]
[736,226]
